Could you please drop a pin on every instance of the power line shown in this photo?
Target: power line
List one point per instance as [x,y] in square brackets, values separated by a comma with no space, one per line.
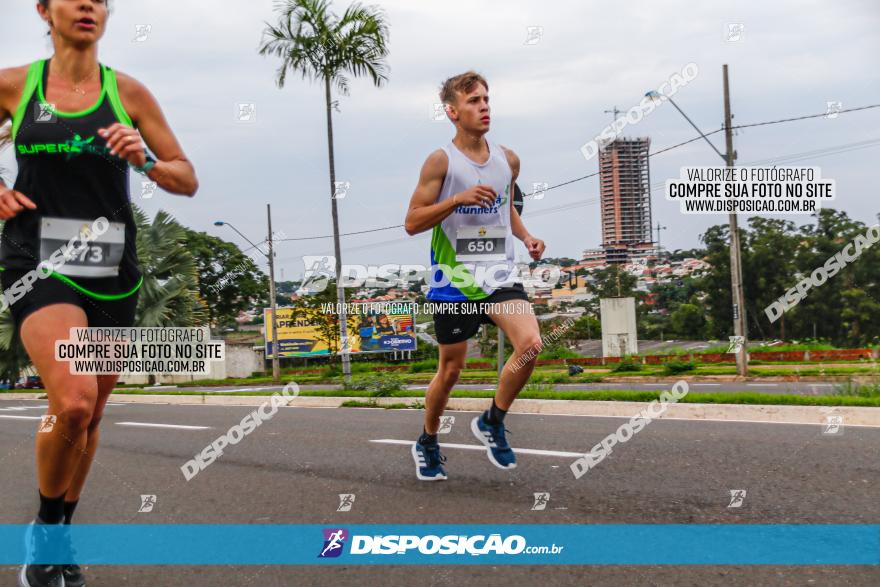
[803,155]
[655,153]
[309,238]
[824,114]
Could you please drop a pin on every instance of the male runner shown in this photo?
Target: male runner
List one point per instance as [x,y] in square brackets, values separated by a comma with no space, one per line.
[465,196]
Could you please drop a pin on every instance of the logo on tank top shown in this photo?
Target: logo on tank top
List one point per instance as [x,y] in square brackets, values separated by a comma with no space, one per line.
[500,201]
[71,147]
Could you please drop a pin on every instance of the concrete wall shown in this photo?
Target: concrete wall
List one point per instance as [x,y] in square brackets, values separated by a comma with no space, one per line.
[618,327]
[242,360]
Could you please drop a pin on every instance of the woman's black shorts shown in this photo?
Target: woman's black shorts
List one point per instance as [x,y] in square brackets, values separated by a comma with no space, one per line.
[50,290]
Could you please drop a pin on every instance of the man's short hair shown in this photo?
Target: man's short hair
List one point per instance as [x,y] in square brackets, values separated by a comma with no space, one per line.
[463,82]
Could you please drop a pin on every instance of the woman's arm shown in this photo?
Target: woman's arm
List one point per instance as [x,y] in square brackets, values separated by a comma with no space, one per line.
[173,171]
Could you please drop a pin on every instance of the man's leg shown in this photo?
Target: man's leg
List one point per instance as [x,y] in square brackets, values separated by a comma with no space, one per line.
[448,369]
[514,317]
[426,450]
[520,326]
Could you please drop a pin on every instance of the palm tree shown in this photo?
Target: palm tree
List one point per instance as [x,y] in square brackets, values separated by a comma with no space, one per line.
[169,295]
[318,45]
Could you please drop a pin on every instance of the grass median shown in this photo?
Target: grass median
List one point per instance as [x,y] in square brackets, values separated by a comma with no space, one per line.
[622,395]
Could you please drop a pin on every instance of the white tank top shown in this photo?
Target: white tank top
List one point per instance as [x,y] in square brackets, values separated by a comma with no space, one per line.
[472,278]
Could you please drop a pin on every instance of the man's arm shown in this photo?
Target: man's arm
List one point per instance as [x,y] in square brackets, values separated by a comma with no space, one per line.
[518,228]
[424,210]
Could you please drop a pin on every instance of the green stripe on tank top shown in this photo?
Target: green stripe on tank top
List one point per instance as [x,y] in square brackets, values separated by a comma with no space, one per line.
[444,254]
[112,86]
[79,114]
[93,294]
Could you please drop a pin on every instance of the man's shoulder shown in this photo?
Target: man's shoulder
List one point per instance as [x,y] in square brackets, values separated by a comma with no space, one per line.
[509,153]
[437,163]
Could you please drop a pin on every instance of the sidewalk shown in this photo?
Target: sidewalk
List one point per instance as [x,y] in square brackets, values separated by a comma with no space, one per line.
[852,416]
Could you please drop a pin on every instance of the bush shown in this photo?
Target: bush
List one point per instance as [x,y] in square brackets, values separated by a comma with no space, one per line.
[379,385]
[675,367]
[557,352]
[627,364]
[851,388]
[556,378]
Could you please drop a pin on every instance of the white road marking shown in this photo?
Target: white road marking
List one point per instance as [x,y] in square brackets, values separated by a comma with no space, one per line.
[707,384]
[762,384]
[153,425]
[19,409]
[21,417]
[525,451]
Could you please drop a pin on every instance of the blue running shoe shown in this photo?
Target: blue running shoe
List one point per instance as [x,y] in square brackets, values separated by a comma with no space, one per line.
[429,462]
[495,441]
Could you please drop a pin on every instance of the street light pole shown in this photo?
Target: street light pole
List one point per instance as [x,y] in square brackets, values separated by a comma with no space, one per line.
[276,367]
[276,370]
[739,307]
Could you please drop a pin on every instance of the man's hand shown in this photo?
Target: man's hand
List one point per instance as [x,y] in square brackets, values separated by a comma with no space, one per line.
[478,195]
[535,246]
[13,202]
[125,143]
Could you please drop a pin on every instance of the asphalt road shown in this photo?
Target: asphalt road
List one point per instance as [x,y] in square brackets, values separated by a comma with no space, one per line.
[292,469]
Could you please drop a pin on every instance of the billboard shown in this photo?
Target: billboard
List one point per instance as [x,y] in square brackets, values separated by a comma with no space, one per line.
[372,328]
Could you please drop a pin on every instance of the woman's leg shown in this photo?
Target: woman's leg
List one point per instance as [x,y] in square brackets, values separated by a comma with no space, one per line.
[72,398]
[106,383]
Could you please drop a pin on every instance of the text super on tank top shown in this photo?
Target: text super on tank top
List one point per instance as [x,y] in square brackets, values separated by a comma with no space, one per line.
[66,169]
[462,266]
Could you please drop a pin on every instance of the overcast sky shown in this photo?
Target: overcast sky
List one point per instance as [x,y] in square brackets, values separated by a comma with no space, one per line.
[200,60]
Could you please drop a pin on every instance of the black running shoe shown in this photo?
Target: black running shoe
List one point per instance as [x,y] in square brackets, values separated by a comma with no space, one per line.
[73,576]
[39,575]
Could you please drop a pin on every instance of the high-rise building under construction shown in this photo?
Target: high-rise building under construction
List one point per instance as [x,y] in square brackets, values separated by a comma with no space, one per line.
[625,191]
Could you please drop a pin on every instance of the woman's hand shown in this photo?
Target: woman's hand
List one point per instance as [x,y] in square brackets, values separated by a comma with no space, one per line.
[126,143]
[13,202]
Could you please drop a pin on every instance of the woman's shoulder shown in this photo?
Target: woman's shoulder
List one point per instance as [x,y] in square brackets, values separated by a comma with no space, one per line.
[135,96]
[130,86]
[12,81]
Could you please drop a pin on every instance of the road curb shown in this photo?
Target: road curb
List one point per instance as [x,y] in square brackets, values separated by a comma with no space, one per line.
[852,415]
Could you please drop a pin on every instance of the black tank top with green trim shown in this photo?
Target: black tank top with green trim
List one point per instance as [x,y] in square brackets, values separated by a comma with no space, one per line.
[64,166]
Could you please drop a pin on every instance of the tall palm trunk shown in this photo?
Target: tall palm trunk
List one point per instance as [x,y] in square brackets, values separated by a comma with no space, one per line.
[340,291]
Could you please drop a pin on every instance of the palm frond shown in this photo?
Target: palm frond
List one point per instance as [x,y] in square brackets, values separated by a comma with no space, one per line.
[316,44]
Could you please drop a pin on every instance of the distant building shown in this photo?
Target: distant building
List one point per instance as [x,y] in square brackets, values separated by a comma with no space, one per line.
[625,193]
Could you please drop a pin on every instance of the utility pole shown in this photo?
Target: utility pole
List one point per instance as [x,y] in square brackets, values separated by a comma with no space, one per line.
[739,308]
[276,369]
[659,228]
[500,352]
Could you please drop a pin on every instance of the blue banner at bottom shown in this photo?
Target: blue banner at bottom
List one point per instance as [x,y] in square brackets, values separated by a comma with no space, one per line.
[378,544]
